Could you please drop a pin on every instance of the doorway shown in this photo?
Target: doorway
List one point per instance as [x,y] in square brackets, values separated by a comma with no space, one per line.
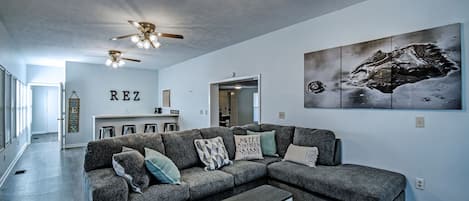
[235,101]
[46,113]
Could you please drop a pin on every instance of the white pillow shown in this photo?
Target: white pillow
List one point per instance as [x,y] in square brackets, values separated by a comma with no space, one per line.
[248,147]
[302,155]
[212,153]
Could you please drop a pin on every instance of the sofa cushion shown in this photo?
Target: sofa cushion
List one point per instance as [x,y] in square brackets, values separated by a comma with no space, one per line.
[283,136]
[344,182]
[241,130]
[99,153]
[161,167]
[163,192]
[180,148]
[245,171]
[225,133]
[204,183]
[324,140]
[268,160]
[104,185]
[131,166]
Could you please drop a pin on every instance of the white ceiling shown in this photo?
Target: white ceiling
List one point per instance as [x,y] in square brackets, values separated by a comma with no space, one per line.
[49,32]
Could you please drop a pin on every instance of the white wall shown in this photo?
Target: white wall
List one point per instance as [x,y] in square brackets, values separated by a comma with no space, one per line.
[45,74]
[381,138]
[93,84]
[13,62]
[44,110]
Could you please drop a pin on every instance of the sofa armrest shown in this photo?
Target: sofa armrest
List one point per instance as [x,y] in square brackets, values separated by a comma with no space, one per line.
[338,152]
[104,185]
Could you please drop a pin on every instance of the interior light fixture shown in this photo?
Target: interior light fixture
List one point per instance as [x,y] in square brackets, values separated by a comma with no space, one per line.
[116,59]
[144,41]
[238,87]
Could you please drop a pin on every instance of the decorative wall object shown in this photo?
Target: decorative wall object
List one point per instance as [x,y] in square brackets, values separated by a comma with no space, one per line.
[124,95]
[74,113]
[419,70]
[167,98]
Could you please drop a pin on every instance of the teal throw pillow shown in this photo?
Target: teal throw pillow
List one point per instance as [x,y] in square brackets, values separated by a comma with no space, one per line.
[161,167]
[268,144]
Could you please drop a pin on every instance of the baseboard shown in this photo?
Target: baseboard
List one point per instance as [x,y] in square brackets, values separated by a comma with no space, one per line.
[12,164]
[69,146]
[39,132]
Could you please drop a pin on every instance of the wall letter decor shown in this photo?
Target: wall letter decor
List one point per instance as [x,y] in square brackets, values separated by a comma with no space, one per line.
[418,70]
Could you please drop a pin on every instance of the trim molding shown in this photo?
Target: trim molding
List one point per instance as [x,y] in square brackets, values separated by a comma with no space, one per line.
[69,146]
[12,164]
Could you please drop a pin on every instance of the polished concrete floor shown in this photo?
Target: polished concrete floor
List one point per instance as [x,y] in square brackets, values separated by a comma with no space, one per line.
[49,137]
[51,175]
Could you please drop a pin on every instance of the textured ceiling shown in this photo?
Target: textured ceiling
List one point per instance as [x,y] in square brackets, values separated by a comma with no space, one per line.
[53,31]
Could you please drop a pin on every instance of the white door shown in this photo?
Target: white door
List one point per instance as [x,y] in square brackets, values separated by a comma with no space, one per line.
[61,116]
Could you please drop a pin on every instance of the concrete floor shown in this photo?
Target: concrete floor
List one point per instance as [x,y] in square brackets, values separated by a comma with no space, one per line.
[50,175]
[49,137]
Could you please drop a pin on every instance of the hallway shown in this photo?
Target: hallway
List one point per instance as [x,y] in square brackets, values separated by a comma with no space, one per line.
[51,175]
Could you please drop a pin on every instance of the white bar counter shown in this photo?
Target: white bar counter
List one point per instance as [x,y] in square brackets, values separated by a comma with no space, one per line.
[139,120]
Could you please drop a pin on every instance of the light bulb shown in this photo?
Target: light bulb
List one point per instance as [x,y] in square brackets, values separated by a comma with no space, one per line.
[153,37]
[135,38]
[108,62]
[157,44]
[146,44]
[140,44]
[121,63]
[115,64]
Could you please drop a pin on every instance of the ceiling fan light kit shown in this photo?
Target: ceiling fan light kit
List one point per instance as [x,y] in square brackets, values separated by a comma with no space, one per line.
[146,38]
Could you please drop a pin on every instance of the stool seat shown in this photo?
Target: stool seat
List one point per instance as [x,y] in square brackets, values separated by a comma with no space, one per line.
[170,126]
[151,128]
[129,129]
[109,130]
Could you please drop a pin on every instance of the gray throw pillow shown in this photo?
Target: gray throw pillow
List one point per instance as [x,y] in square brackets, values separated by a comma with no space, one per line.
[130,165]
[212,153]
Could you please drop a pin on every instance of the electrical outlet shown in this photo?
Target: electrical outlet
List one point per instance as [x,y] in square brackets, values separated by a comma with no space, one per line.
[420,183]
[281,115]
[420,122]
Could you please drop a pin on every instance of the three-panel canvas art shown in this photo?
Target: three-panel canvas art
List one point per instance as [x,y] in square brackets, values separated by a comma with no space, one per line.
[419,70]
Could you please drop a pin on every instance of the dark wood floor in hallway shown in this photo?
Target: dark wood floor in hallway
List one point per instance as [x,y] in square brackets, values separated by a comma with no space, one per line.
[50,175]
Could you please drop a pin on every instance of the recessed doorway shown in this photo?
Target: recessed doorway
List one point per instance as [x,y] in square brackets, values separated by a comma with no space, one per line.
[235,101]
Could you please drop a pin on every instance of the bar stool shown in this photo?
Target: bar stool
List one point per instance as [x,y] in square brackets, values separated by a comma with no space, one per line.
[151,128]
[110,130]
[170,127]
[129,129]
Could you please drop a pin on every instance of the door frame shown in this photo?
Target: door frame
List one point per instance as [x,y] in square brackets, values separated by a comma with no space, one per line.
[213,96]
[61,111]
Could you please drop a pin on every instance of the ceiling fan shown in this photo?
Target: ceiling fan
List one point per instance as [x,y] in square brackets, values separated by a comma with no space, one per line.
[147,36]
[116,60]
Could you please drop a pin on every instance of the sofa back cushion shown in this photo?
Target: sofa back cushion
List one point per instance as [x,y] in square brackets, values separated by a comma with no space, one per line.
[324,140]
[283,136]
[225,133]
[99,153]
[241,130]
[180,148]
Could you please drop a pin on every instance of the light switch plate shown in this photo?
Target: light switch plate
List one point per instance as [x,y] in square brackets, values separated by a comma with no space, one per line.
[420,122]
[281,115]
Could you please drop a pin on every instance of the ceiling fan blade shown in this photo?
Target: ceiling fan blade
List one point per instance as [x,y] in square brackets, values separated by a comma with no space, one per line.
[167,35]
[134,60]
[122,37]
[135,24]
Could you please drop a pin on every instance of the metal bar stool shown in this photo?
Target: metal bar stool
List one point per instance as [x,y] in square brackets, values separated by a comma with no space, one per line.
[151,128]
[170,127]
[110,130]
[129,129]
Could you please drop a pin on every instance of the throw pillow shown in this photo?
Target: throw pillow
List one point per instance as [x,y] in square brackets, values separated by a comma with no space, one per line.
[268,144]
[161,167]
[131,166]
[248,147]
[212,153]
[302,155]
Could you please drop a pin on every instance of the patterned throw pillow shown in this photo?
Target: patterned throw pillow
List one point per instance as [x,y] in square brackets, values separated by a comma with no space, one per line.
[161,167]
[248,147]
[212,153]
[302,155]
[130,164]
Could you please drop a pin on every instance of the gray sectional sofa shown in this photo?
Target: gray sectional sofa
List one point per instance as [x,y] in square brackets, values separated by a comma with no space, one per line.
[330,180]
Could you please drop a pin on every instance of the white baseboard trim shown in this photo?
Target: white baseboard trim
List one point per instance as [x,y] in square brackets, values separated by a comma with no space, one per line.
[12,164]
[69,146]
